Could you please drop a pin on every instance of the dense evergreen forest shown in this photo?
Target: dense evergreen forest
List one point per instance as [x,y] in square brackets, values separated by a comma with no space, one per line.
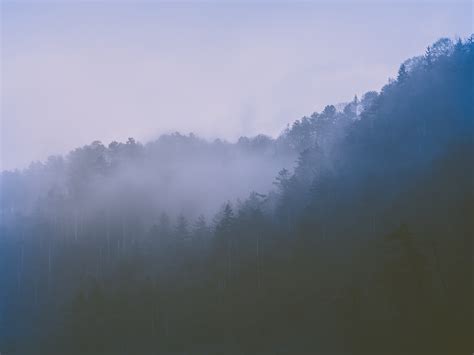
[350,233]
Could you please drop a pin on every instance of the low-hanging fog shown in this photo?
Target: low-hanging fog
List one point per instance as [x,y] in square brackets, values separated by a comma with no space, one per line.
[175,174]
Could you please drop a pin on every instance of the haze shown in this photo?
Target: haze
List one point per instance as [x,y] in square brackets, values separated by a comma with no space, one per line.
[77,72]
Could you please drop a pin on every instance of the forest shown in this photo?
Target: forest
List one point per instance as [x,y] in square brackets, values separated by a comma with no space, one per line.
[349,233]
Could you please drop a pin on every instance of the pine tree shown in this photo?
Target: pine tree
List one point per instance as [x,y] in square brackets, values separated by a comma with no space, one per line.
[402,74]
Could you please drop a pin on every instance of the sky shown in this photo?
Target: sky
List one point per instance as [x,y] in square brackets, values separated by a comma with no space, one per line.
[73,72]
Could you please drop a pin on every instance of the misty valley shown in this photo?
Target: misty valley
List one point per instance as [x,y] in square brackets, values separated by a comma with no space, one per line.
[348,233]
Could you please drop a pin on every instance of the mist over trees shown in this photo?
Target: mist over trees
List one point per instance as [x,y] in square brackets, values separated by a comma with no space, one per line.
[349,233]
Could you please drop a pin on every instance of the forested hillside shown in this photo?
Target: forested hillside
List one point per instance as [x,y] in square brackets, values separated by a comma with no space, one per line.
[350,233]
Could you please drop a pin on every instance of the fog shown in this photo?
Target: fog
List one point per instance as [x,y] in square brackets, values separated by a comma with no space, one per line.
[174,174]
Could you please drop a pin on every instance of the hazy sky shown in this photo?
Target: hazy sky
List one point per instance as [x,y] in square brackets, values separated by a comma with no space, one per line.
[73,72]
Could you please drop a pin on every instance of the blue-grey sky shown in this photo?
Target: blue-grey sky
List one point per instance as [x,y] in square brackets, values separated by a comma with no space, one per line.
[77,71]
